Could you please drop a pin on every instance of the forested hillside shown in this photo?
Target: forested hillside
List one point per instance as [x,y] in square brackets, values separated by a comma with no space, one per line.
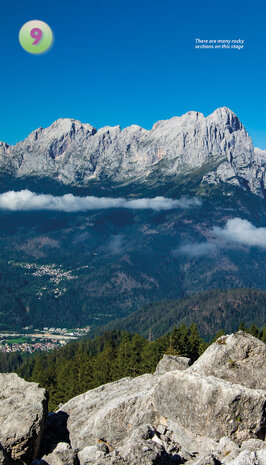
[210,310]
[73,269]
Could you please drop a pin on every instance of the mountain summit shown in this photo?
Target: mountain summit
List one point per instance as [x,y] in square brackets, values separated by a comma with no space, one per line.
[75,153]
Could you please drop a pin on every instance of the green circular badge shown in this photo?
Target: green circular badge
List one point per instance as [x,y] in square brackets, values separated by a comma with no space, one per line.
[36,37]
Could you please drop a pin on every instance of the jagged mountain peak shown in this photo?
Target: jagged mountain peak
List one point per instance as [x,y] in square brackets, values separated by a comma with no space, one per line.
[65,126]
[220,115]
[110,130]
[226,116]
[72,126]
[222,112]
[68,125]
[190,117]
[76,153]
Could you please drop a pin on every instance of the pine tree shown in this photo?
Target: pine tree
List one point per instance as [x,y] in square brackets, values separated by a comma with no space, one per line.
[180,340]
[242,326]
[123,357]
[263,338]
[194,342]
[170,350]
[219,334]
[254,330]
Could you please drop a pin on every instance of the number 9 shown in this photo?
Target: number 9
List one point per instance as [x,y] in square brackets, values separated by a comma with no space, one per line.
[36,34]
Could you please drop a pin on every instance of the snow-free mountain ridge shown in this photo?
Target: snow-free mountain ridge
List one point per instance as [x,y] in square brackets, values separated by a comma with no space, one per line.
[75,153]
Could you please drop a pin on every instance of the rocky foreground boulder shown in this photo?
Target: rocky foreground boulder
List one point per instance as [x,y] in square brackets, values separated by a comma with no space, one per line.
[23,410]
[197,415]
[171,363]
[238,358]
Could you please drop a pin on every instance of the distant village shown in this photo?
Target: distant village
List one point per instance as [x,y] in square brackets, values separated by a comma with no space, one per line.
[43,340]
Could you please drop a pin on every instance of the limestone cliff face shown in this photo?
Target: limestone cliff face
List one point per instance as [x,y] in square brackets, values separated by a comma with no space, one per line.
[76,153]
[201,414]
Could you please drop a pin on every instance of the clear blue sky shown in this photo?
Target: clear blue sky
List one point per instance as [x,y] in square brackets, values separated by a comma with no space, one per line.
[124,62]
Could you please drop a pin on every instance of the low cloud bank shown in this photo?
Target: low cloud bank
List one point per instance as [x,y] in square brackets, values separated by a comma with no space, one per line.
[116,244]
[235,231]
[242,232]
[26,200]
[196,249]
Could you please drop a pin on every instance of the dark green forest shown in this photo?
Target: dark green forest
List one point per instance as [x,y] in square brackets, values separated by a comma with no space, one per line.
[212,309]
[89,363]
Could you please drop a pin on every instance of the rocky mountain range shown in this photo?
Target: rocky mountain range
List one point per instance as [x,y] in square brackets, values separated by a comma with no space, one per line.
[209,413]
[77,154]
[65,264]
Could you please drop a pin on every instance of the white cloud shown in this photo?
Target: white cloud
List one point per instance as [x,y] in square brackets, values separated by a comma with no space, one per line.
[196,249]
[235,230]
[116,244]
[242,232]
[26,200]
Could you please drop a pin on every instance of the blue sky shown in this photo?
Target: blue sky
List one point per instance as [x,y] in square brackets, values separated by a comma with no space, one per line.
[123,62]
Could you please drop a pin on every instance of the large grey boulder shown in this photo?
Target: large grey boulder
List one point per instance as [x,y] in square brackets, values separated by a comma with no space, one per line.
[239,358]
[247,457]
[210,406]
[142,447]
[226,446]
[249,450]
[63,454]
[111,412]
[172,362]
[116,424]
[23,408]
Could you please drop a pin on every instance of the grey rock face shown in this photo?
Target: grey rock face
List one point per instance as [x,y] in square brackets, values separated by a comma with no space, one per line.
[226,445]
[143,447]
[239,358]
[249,450]
[247,457]
[110,412]
[170,363]
[210,406]
[76,153]
[23,408]
[63,454]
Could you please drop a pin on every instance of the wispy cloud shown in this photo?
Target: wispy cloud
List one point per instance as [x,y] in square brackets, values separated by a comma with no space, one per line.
[196,249]
[242,232]
[26,200]
[116,244]
[236,231]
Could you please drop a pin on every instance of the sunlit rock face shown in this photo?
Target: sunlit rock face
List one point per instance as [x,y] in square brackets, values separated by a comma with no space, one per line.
[76,153]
